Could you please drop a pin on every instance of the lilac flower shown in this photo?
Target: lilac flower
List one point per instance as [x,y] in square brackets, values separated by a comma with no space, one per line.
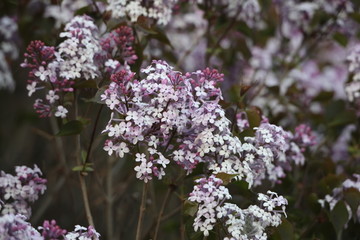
[51,231]
[8,50]
[151,111]
[159,10]
[353,88]
[267,155]
[61,112]
[17,192]
[304,137]
[247,223]
[208,193]
[82,233]
[77,52]
[82,55]
[14,227]
[118,44]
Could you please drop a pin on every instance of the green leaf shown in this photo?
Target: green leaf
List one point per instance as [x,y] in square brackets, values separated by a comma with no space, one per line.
[253,117]
[339,216]
[190,208]
[83,156]
[84,10]
[343,118]
[226,178]
[161,37]
[324,96]
[352,198]
[286,230]
[355,16]
[341,39]
[86,84]
[70,128]
[84,168]
[78,168]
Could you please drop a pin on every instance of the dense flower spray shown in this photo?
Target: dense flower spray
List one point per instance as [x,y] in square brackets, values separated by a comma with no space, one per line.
[153,112]
[249,223]
[81,56]
[8,51]
[19,191]
[159,10]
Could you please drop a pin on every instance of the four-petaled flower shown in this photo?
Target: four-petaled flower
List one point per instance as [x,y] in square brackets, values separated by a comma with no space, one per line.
[61,112]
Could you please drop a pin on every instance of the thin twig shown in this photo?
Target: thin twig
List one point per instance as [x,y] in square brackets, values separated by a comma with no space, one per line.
[92,138]
[110,200]
[168,192]
[182,225]
[142,211]
[81,176]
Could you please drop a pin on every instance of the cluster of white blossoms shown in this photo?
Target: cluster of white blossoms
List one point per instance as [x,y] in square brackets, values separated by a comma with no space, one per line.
[249,223]
[81,56]
[160,10]
[338,194]
[267,155]
[353,88]
[16,195]
[210,195]
[8,51]
[17,192]
[13,227]
[77,52]
[167,117]
[82,233]
[174,117]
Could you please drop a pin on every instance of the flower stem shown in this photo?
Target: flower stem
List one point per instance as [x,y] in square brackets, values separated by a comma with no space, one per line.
[81,176]
[142,210]
[110,200]
[168,192]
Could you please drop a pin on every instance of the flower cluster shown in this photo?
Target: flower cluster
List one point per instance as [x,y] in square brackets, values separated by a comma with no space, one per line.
[16,227]
[8,50]
[338,194]
[16,195]
[165,105]
[116,47]
[353,88]
[77,52]
[51,231]
[159,10]
[82,55]
[209,194]
[13,227]
[63,12]
[82,233]
[17,192]
[268,154]
[244,10]
[248,223]
[41,60]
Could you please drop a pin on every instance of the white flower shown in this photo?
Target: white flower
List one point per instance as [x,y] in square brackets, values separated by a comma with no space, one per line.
[51,96]
[112,63]
[31,88]
[122,149]
[61,112]
[110,147]
[42,73]
[140,157]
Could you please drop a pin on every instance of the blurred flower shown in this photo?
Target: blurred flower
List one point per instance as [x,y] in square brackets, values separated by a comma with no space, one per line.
[16,227]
